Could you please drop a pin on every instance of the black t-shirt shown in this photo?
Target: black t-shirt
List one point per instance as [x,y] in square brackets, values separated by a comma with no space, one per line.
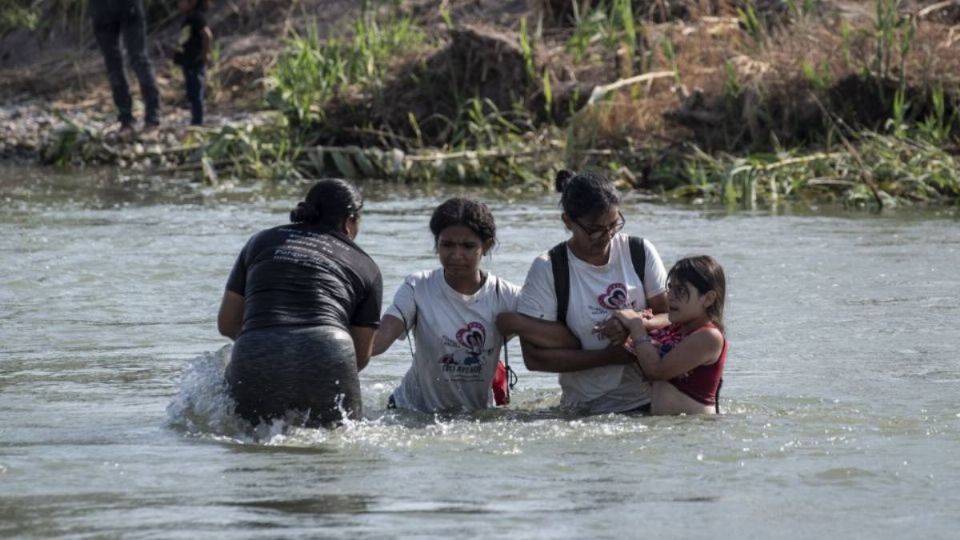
[190,46]
[302,275]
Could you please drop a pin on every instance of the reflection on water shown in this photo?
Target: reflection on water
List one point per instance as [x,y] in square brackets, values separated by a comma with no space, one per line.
[842,416]
[324,504]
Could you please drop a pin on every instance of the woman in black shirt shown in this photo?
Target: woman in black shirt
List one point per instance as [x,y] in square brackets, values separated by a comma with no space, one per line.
[303,303]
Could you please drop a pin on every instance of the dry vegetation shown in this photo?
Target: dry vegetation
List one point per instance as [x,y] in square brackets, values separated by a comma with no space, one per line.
[728,99]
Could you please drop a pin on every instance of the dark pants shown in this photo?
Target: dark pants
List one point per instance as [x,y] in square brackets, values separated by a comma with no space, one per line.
[194,77]
[111,18]
[305,375]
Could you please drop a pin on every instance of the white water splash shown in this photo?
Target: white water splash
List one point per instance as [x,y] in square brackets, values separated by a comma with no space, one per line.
[202,405]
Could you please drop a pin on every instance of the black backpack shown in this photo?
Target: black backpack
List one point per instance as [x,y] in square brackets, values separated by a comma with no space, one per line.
[561,271]
[561,280]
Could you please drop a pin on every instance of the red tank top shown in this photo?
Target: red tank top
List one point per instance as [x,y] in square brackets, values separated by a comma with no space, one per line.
[700,383]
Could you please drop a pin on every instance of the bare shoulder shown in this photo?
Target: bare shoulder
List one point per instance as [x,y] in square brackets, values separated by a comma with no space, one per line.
[709,340]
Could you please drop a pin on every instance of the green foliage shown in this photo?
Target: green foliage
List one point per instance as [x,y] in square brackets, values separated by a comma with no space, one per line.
[801,9]
[893,32]
[903,169]
[751,23]
[614,25]
[588,28]
[846,34]
[898,120]
[670,54]
[731,83]
[547,93]
[818,76]
[480,123]
[937,127]
[15,15]
[272,151]
[310,72]
[445,15]
[623,22]
[526,48]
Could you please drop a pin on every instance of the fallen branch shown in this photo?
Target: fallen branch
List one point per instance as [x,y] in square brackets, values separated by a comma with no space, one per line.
[600,91]
[936,7]
[830,182]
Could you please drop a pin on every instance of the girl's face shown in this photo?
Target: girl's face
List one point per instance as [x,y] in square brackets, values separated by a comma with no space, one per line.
[460,251]
[593,233]
[686,304]
[185,6]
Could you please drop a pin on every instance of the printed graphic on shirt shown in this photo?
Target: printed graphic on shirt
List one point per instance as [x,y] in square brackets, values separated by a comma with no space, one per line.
[306,248]
[465,361]
[665,340]
[615,297]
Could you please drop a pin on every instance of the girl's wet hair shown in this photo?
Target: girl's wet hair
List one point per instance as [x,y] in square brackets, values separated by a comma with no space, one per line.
[329,202]
[585,194]
[472,214]
[705,274]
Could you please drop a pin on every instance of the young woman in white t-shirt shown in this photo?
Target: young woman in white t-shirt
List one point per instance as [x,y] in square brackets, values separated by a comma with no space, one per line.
[596,374]
[452,313]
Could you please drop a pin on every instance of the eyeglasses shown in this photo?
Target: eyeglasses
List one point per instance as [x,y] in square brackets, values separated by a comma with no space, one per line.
[596,233]
[678,291]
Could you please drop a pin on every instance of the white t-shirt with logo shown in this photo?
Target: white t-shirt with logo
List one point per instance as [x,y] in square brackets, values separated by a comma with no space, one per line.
[457,342]
[596,291]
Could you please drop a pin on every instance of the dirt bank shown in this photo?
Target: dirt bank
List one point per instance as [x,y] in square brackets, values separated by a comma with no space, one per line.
[636,87]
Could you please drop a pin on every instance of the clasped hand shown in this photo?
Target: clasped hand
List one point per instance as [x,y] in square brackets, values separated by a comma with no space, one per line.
[614,328]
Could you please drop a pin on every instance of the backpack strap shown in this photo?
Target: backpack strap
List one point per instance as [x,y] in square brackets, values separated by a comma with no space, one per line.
[559,260]
[639,256]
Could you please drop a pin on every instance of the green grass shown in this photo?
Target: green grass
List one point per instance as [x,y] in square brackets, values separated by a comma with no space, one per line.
[312,71]
[876,169]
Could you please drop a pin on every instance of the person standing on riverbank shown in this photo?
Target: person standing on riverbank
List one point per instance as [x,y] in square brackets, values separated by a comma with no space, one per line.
[452,312]
[111,19]
[303,304]
[577,286]
[193,53]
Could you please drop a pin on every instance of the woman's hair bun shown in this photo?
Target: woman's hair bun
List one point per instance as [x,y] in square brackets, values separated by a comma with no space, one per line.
[304,213]
[562,179]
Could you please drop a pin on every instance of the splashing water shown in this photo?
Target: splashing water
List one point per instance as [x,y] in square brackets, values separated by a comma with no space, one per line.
[202,405]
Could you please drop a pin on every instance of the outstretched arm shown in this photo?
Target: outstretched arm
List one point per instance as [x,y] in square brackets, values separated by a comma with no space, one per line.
[230,318]
[544,334]
[390,329]
[658,318]
[699,348]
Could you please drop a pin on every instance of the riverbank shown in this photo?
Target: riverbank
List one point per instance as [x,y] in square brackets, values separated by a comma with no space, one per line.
[740,102]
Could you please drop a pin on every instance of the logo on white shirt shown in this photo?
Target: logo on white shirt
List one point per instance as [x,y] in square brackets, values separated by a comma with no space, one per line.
[466,360]
[615,297]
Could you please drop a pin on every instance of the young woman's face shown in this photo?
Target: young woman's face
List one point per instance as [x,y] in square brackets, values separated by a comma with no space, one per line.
[685,303]
[460,250]
[185,5]
[593,233]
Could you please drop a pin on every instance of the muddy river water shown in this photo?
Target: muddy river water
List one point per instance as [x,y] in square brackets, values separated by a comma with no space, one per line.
[841,398]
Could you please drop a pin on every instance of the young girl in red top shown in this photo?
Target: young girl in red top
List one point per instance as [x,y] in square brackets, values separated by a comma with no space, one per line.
[685,359]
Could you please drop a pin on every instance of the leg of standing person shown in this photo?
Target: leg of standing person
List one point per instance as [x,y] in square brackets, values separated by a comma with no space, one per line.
[194,77]
[106,29]
[135,39]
